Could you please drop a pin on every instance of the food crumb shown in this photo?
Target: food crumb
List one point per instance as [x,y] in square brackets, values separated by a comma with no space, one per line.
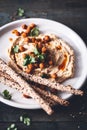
[78,127]
[10,39]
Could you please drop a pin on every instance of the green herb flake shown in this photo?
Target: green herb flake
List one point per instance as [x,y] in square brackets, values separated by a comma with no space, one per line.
[28,60]
[12,127]
[16,49]
[20,12]
[45,76]
[32,60]
[36,52]
[7,95]
[25,120]
[41,57]
[34,32]
[21,118]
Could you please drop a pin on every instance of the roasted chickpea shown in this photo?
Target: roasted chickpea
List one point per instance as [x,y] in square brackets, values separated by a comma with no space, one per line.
[28,30]
[30,67]
[46,39]
[58,48]
[17,33]
[27,39]
[44,49]
[32,54]
[32,25]
[24,26]
[21,48]
[14,31]
[24,35]
[41,65]
[28,71]
[54,76]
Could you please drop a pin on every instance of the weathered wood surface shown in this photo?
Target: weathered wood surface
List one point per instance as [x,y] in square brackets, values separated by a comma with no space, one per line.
[72,13]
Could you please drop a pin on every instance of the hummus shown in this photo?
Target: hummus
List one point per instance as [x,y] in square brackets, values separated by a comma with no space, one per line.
[58,58]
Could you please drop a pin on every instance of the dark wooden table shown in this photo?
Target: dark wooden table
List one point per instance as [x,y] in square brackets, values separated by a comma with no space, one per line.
[72,13]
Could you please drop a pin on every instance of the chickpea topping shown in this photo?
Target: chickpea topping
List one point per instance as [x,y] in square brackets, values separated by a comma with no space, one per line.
[27,39]
[46,38]
[24,26]
[17,33]
[54,76]
[21,48]
[28,71]
[14,31]
[28,30]
[44,49]
[41,65]
[30,67]
[50,62]
[32,54]
[58,48]
[24,35]
[32,25]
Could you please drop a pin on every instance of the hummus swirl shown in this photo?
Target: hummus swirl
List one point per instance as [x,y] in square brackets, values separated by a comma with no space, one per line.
[56,57]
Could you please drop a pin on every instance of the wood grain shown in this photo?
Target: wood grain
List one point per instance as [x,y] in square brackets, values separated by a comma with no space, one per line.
[72,13]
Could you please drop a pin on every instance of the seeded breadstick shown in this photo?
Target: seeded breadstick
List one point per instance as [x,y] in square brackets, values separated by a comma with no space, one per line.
[44,81]
[52,96]
[25,86]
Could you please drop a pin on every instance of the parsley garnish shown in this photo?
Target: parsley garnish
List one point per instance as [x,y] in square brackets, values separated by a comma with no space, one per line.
[36,52]
[29,60]
[45,75]
[41,57]
[34,32]
[16,49]
[25,120]
[7,95]
[12,127]
[20,12]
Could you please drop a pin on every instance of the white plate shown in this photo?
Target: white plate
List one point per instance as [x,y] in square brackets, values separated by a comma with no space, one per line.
[46,26]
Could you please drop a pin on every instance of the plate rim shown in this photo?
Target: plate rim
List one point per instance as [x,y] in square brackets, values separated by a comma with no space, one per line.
[61,24]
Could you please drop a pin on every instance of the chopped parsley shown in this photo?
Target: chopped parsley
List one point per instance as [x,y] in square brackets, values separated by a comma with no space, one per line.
[41,57]
[16,49]
[29,60]
[7,95]
[20,12]
[25,120]
[12,127]
[36,52]
[45,76]
[34,32]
